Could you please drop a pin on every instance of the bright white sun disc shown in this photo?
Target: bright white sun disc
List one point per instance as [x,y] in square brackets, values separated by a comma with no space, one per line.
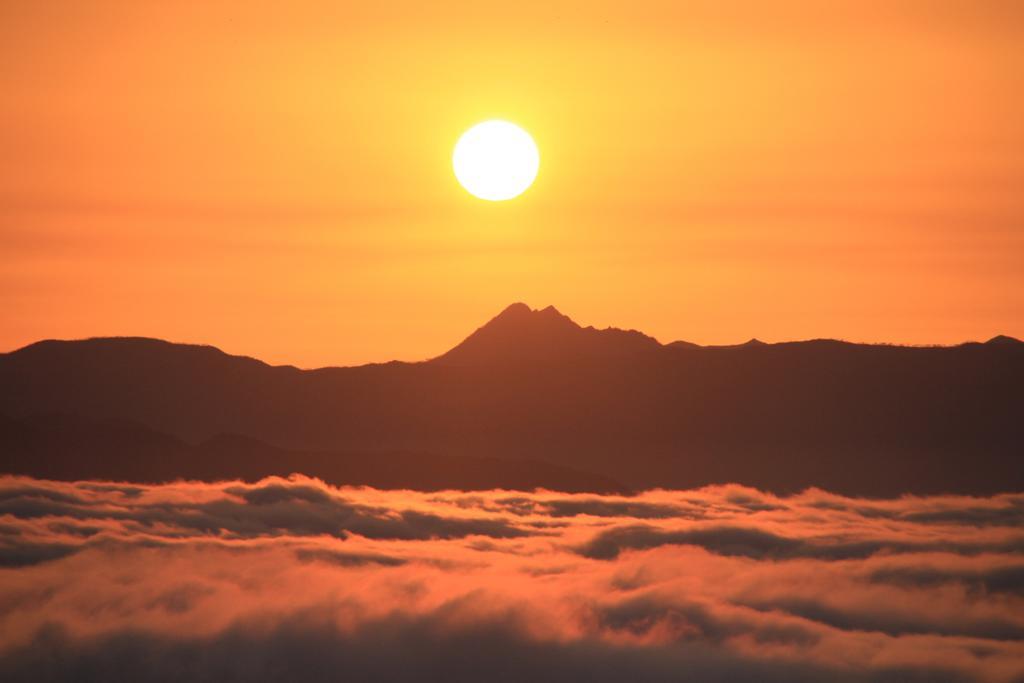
[496,160]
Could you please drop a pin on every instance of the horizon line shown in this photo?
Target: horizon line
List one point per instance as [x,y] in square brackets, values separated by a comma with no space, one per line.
[518,305]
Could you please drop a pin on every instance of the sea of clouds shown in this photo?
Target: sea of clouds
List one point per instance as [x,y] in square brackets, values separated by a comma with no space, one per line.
[292,579]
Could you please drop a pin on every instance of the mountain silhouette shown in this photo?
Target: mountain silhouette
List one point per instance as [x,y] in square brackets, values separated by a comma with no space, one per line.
[521,334]
[1003,339]
[534,385]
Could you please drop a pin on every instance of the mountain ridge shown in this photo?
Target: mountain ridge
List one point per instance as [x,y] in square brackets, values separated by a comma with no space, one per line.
[535,385]
[517,313]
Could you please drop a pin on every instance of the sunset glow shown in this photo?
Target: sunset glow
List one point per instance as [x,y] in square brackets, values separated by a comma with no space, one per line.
[668,341]
[790,171]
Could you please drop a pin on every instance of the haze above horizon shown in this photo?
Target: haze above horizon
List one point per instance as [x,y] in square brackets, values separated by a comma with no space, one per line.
[277,180]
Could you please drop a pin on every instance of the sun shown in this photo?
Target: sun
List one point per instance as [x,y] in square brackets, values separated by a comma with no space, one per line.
[496,160]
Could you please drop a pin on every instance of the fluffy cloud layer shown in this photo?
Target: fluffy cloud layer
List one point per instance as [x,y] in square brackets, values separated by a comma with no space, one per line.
[291,579]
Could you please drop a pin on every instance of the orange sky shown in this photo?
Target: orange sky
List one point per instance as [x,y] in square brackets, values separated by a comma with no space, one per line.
[274,178]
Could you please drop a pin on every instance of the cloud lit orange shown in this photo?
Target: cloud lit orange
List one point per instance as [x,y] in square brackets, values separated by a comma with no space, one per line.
[724,583]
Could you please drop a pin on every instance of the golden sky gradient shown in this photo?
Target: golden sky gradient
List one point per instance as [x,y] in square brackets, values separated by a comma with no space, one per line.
[275,178]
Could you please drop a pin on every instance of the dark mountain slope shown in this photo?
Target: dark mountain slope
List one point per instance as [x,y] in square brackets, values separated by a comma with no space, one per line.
[860,419]
[71,448]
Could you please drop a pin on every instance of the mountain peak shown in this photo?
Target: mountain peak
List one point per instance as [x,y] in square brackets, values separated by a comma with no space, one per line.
[520,332]
[514,310]
[521,312]
[1004,339]
[519,316]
